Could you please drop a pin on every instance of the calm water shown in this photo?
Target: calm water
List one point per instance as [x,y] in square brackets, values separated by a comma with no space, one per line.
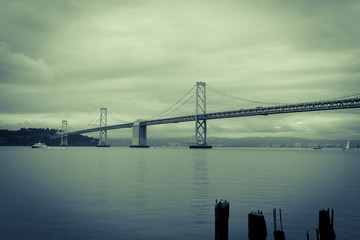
[169,193]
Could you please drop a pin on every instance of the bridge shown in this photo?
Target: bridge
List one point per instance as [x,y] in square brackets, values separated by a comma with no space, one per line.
[201,116]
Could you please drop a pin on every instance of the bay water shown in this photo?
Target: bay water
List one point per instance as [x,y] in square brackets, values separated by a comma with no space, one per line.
[169,193]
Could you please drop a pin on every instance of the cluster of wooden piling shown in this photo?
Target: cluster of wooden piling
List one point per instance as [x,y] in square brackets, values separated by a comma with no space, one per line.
[326,226]
[257,224]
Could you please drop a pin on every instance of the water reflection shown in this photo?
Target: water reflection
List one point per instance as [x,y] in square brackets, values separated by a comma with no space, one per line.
[200,203]
[84,193]
[141,173]
[102,178]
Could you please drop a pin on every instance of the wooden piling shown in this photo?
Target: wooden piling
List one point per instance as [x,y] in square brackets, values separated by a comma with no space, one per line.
[326,226]
[274,218]
[307,235]
[256,226]
[221,220]
[278,234]
[317,234]
[281,228]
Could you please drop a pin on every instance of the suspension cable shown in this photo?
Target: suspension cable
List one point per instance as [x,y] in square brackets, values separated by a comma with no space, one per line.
[222,93]
[182,104]
[162,113]
[92,121]
[344,97]
[113,117]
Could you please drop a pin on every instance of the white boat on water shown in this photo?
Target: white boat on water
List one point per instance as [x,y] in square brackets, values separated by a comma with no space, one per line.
[39,145]
[347,147]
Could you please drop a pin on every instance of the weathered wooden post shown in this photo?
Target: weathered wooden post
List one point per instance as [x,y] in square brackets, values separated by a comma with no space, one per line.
[307,235]
[317,234]
[257,226]
[326,226]
[221,220]
[278,234]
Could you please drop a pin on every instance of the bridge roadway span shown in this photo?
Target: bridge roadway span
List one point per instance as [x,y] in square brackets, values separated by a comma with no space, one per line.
[291,108]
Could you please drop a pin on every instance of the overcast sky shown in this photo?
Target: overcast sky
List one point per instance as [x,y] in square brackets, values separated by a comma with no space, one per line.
[65,59]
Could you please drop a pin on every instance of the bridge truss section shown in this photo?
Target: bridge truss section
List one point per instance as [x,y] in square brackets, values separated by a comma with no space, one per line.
[103,128]
[200,123]
[64,132]
[292,108]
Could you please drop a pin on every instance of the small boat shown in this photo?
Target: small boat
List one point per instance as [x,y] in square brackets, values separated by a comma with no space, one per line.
[39,145]
[317,147]
[347,147]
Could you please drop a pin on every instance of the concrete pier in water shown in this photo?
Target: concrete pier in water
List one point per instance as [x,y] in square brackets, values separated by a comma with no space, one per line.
[139,139]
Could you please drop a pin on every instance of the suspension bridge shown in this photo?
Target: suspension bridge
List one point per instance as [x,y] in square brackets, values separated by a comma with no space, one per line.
[184,111]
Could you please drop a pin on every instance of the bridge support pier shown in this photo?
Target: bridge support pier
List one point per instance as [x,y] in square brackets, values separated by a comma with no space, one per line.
[200,124]
[139,139]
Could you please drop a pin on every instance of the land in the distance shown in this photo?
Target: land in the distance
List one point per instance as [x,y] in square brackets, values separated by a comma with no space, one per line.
[243,142]
[30,136]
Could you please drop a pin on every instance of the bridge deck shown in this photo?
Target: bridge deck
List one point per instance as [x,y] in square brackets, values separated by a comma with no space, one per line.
[291,108]
[118,126]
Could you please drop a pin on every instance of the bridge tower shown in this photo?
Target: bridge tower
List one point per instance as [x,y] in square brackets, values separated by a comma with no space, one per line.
[64,131]
[200,121]
[102,129]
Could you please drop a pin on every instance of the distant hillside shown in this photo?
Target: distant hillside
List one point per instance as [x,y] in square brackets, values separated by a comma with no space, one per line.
[243,142]
[279,142]
[30,136]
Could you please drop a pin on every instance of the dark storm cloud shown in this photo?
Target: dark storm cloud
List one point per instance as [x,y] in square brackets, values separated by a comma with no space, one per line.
[23,28]
[19,68]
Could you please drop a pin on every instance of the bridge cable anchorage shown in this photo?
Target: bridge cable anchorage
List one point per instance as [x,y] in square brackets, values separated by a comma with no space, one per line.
[171,107]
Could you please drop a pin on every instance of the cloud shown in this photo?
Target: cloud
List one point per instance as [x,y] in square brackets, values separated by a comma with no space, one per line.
[19,68]
[139,57]
[318,25]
